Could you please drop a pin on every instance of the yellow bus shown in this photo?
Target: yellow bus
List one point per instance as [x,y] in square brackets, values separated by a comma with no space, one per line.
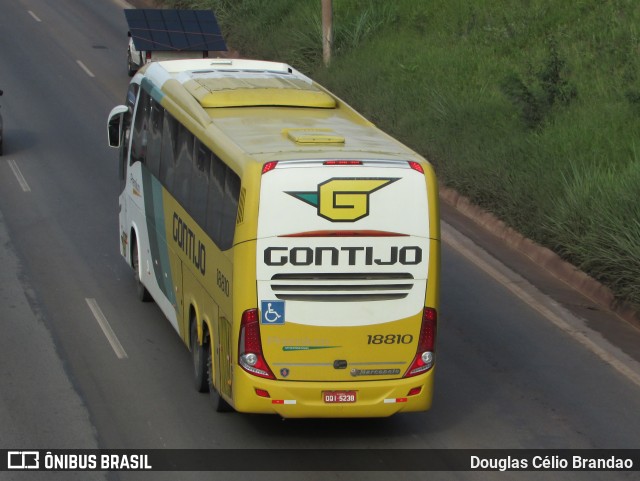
[294,246]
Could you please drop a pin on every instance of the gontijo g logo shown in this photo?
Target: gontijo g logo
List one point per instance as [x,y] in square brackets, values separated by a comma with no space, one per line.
[343,200]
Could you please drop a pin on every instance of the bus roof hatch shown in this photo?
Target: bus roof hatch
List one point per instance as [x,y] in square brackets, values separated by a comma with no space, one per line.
[257,90]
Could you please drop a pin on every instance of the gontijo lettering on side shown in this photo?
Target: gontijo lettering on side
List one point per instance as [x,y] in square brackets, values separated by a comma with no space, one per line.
[189,244]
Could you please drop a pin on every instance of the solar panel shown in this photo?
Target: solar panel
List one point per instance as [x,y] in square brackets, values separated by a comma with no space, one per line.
[174,30]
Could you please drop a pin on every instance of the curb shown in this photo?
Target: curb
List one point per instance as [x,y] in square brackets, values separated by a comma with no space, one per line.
[544,257]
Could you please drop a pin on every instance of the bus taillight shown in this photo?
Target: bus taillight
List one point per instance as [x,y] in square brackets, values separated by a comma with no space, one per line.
[250,355]
[269,166]
[342,162]
[416,166]
[425,354]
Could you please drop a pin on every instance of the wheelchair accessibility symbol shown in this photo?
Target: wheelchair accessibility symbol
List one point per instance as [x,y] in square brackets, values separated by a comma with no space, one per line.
[272,312]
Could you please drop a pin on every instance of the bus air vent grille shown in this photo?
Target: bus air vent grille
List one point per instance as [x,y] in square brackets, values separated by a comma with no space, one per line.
[345,287]
[240,217]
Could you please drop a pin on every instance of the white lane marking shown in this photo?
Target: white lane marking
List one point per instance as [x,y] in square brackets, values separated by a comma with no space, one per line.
[576,329]
[106,328]
[84,67]
[35,17]
[16,171]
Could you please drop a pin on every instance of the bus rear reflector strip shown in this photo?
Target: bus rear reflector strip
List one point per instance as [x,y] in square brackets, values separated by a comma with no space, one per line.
[396,400]
[283,401]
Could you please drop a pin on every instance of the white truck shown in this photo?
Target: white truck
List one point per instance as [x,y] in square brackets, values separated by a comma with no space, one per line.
[163,34]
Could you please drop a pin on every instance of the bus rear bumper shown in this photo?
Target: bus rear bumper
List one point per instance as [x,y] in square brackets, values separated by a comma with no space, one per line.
[295,399]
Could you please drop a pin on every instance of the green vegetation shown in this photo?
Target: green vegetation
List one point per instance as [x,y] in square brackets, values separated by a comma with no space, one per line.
[531,109]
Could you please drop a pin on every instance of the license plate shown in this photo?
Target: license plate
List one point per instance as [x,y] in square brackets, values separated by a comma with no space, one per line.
[339,396]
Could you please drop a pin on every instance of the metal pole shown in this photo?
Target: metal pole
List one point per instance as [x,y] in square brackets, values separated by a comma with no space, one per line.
[327,30]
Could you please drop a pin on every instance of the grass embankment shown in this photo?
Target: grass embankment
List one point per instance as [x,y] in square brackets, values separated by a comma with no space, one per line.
[531,109]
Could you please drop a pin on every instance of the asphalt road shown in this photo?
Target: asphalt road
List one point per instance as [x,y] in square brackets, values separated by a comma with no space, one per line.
[516,369]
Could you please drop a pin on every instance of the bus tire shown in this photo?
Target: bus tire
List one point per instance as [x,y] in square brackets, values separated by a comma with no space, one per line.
[199,358]
[218,402]
[141,291]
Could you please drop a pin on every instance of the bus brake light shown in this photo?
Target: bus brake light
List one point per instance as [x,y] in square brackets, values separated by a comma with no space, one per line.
[250,355]
[342,162]
[269,166]
[425,355]
[416,166]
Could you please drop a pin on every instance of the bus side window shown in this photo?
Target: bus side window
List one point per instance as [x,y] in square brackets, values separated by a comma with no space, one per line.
[222,203]
[168,151]
[154,146]
[140,129]
[130,102]
[215,198]
[124,146]
[184,165]
[200,183]
[230,208]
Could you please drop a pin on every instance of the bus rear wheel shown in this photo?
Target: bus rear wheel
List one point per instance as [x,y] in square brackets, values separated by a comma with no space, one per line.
[218,402]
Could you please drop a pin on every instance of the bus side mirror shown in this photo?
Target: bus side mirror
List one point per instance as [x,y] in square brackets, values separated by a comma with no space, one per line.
[114,127]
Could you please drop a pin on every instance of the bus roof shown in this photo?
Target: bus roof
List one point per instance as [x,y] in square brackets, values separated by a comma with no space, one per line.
[269,110]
